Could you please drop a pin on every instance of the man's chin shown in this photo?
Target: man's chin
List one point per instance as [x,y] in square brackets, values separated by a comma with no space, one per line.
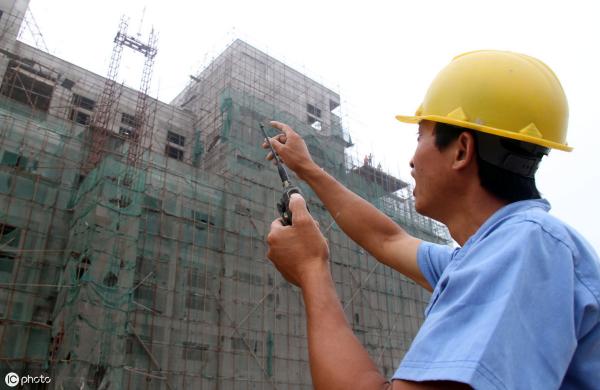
[420,209]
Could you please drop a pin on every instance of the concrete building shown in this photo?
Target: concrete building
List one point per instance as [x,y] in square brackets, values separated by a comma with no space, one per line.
[132,231]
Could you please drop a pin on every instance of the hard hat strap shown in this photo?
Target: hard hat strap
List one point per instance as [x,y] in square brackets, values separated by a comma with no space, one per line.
[518,157]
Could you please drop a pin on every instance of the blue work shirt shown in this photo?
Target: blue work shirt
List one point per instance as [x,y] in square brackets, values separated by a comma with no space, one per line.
[517,307]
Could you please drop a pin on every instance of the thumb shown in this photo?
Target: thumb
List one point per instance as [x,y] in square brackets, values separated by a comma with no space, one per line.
[298,208]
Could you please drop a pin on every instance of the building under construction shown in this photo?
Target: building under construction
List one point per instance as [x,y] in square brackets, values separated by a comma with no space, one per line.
[132,231]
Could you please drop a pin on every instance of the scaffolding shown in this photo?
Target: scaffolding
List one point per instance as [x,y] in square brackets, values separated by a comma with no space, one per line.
[103,117]
[151,273]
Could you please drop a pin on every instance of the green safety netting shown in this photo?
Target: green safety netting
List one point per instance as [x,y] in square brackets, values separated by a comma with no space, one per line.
[158,271]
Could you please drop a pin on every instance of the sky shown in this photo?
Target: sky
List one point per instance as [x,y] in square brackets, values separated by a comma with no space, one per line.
[379,55]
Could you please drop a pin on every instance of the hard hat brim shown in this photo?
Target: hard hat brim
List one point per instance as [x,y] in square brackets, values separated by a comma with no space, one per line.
[413,119]
[408,119]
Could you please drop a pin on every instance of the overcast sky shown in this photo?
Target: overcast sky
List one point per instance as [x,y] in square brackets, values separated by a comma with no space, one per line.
[380,55]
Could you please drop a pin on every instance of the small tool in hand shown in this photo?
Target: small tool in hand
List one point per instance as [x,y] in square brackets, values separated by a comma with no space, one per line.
[288,187]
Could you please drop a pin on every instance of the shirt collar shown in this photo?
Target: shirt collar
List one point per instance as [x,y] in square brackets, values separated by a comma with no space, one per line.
[509,209]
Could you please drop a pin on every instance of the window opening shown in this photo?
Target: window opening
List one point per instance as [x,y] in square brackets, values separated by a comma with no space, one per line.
[83,102]
[176,138]
[83,267]
[128,119]
[173,152]
[27,86]
[313,110]
[9,236]
[314,123]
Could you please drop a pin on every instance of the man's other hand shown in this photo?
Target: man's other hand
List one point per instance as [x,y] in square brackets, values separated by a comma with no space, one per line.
[299,250]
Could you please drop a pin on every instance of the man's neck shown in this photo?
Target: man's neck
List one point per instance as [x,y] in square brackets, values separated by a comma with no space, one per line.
[471,212]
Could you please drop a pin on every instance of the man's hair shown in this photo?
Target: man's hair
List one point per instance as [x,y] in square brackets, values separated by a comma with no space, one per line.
[501,183]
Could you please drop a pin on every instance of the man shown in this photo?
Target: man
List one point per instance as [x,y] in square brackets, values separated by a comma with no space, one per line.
[516,306]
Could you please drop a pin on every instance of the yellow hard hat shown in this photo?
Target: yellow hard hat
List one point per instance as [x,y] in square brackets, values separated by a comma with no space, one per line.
[502,93]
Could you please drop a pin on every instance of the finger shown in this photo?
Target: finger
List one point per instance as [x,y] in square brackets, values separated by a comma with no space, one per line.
[282,127]
[275,231]
[269,156]
[298,208]
[276,145]
[281,138]
[276,224]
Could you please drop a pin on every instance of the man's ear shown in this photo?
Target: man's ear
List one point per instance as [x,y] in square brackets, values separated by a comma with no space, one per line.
[464,152]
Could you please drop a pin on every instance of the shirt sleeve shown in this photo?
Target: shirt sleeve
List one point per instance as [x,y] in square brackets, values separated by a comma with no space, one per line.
[501,318]
[433,260]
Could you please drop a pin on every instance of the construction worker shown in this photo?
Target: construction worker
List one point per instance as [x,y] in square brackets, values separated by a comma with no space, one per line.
[516,305]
